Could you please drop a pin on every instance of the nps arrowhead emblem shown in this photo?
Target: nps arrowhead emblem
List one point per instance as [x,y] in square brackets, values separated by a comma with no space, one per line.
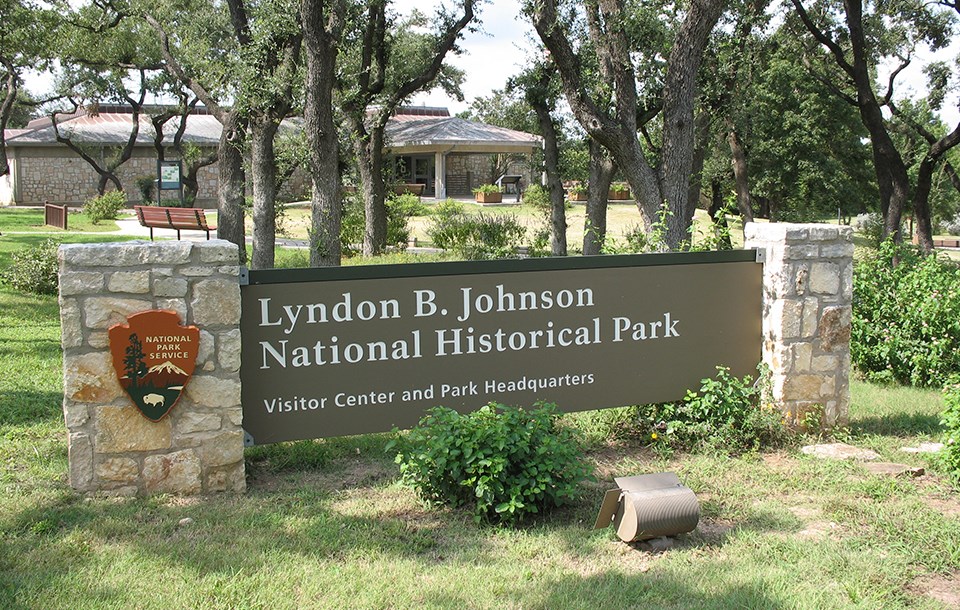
[154,357]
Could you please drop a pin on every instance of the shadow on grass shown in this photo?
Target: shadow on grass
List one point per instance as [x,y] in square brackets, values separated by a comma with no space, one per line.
[898,425]
[23,407]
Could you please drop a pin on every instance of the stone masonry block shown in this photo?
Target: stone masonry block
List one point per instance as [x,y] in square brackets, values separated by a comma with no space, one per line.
[825,278]
[216,303]
[124,429]
[104,312]
[135,282]
[73,283]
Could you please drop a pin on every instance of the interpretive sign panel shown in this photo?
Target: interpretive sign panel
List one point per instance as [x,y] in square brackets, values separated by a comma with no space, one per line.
[330,352]
[169,172]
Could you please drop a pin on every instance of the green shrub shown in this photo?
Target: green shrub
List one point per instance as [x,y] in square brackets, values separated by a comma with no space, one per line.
[145,185]
[503,462]
[353,221]
[906,317]
[951,423]
[407,205]
[539,197]
[727,414]
[487,188]
[475,237]
[105,207]
[34,269]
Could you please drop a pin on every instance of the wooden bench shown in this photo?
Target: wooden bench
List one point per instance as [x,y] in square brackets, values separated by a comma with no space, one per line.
[173,218]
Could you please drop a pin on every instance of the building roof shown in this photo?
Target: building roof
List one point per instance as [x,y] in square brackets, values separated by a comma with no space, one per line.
[111,126]
[410,132]
[411,129]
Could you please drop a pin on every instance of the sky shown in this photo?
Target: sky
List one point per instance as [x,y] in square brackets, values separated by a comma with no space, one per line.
[491,56]
[498,50]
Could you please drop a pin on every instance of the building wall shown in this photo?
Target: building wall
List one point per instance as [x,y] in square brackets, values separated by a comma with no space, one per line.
[468,171]
[57,175]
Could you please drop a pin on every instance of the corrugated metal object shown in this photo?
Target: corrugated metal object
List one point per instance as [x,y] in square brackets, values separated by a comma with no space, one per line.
[648,506]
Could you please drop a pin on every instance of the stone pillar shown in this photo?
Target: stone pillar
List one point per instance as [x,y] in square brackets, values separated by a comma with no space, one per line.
[807,295]
[198,447]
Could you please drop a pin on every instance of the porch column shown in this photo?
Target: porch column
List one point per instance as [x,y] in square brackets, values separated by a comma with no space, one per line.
[440,175]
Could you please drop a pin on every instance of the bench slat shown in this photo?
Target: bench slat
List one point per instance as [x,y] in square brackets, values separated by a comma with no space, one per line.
[173,218]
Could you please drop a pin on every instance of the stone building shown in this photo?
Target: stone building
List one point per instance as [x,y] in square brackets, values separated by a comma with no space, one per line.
[449,155]
[44,170]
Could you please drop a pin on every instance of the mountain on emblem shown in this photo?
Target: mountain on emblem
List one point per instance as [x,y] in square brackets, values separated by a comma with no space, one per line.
[154,357]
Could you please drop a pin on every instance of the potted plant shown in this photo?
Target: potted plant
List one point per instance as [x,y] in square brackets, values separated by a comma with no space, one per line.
[577,192]
[618,191]
[488,193]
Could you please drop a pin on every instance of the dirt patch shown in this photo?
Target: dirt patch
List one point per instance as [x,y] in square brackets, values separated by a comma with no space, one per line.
[336,476]
[944,588]
[714,530]
[818,530]
[779,462]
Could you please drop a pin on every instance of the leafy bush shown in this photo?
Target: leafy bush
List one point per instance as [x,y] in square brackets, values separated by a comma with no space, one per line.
[870,226]
[105,207]
[727,414]
[951,423]
[475,237]
[145,185]
[353,221]
[487,188]
[539,197]
[34,269]
[504,462]
[906,317]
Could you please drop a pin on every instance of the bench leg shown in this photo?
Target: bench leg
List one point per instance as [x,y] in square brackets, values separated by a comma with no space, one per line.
[151,233]
[178,234]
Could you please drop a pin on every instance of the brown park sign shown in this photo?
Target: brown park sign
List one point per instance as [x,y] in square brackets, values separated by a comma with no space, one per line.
[330,352]
[154,357]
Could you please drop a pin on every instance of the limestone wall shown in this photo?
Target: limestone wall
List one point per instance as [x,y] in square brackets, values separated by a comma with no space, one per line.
[57,175]
[807,296]
[198,447]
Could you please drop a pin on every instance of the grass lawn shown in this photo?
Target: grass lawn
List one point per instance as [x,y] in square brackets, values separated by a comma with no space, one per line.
[326,525]
[31,220]
[621,219]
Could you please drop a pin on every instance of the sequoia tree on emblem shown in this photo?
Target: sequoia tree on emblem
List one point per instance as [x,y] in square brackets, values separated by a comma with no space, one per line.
[154,357]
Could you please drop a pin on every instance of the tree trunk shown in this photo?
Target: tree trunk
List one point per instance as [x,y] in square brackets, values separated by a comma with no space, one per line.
[921,204]
[6,108]
[369,151]
[551,161]
[230,184]
[263,170]
[741,182]
[700,148]
[720,227]
[679,98]
[595,223]
[891,171]
[321,37]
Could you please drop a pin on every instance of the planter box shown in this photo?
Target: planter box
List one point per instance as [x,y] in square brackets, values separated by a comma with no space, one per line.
[576,196]
[489,197]
[618,195]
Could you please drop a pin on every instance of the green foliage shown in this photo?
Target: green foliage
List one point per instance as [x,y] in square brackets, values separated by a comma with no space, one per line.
[34,269]
[145,185]
[105,207]
[505,463]
[399,209]
[727,415]
[475,237]
[539,197]
[487,188]
[950,421]
[906,317]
